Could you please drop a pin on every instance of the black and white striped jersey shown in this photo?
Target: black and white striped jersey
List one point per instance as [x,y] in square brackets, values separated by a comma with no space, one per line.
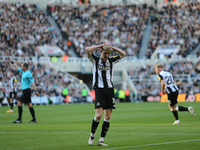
[169,81]
[13,80]
[103,71]
[1,90]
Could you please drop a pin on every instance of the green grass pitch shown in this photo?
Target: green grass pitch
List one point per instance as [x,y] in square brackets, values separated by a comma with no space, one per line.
[140,126]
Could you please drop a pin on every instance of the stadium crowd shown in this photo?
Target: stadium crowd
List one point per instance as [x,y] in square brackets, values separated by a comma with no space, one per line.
[186,74]
[176,25]
[23,27]
[120,26]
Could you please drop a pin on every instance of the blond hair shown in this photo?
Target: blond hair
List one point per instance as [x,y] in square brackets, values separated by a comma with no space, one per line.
[159,65]
[106,48]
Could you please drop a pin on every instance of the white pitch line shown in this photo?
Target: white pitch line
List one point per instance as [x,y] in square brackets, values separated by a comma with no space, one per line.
[87,133]
[152,144]
[155,133]
[42,132]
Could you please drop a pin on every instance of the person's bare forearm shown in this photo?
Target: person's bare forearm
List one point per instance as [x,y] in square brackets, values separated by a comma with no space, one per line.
[121,52]
[92,48]
[162,86]
[16,66]
[34,86]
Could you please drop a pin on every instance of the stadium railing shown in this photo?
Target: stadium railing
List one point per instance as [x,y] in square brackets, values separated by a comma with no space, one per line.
[85,62]
[182,77]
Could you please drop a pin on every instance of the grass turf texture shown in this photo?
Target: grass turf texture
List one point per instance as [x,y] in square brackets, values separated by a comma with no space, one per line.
[133,126]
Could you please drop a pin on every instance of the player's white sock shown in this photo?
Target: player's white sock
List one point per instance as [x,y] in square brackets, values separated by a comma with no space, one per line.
[106,120]
[101,139]
[93,135]
[96,119]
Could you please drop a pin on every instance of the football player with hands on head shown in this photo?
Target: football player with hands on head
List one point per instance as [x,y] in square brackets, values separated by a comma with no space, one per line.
[103,86]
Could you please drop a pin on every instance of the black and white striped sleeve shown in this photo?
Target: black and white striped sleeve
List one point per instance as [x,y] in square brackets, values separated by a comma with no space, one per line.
[93,58]
[115,59]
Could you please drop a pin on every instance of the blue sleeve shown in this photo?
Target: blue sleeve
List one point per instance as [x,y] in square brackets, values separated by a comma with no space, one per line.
[30,77]
[20,70]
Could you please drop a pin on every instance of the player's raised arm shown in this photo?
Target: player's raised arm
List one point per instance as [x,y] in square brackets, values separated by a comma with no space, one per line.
[14,64]
[122,53]
[92,48]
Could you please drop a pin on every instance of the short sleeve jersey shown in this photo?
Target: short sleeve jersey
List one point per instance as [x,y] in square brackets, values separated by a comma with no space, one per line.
[103,71]
[26,79]
[169,81]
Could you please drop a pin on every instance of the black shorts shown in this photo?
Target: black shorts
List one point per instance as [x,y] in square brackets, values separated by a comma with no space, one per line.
[26,96]
[13,95]
[104,98]
[172,98]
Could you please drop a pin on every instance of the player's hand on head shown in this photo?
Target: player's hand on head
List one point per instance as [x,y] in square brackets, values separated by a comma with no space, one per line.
[102,45]
[107,44]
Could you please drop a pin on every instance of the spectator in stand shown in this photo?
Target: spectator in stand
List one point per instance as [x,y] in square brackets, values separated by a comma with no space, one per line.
[121,26]
[176,25]
[23,28]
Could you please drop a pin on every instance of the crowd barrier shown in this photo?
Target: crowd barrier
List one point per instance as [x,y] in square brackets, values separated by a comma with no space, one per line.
[54,100]
[58,100]
[181,98]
